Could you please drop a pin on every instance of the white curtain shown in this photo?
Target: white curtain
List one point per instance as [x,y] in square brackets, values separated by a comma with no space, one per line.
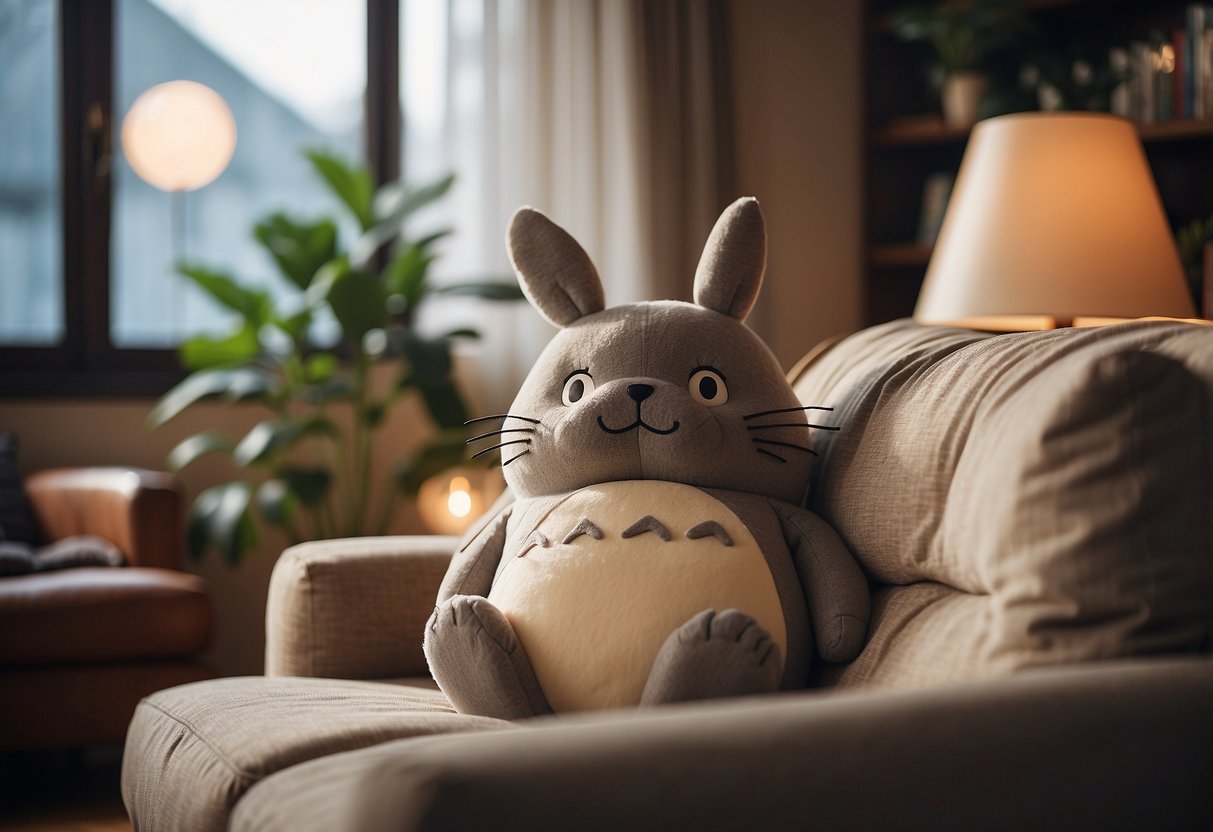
[610,116]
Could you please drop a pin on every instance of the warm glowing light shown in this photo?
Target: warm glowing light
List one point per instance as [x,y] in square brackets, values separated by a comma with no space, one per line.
[459,502]
[1054,218]
[449,502]
[179,136]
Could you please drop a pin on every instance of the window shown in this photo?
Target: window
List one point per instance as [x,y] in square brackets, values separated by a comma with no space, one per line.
[294,75]
[89,302]
[31,287]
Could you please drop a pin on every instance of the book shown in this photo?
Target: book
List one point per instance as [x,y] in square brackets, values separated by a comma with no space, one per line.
[935,194]
[1181,103]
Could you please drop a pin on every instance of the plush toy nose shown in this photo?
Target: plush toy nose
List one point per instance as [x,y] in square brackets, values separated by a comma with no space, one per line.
[640,392]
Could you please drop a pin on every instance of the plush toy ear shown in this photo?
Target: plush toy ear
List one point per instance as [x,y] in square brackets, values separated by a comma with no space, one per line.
[554,271]
[734,258]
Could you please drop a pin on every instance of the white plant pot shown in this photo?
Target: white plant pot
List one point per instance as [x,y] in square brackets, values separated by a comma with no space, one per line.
[962,92]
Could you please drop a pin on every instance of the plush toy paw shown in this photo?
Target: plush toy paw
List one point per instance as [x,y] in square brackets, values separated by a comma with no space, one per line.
[478,663]
[714,655]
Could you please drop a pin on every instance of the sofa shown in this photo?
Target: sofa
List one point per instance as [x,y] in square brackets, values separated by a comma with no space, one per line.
[1034,514]
[80,647]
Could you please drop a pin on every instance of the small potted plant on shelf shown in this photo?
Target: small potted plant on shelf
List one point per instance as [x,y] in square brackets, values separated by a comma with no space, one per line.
[963,34]
[306,467]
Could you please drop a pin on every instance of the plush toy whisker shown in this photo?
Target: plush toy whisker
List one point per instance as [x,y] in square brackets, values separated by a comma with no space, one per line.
[502,416]
[498,433]
[511,459]
[768,453]
[501,445]
[783,445]
[785,410]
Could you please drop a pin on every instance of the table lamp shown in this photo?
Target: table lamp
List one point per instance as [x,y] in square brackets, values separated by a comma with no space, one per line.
[1054,221]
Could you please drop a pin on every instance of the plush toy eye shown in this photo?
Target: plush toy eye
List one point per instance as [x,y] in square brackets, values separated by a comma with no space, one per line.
[707,387]
[576,387]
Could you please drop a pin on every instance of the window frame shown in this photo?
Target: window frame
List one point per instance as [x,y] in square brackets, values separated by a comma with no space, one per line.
[85,362]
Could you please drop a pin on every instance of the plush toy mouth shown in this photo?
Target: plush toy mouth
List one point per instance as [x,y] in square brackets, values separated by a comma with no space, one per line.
[639,423]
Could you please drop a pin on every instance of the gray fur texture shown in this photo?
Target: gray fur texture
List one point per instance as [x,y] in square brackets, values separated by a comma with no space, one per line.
[660,391]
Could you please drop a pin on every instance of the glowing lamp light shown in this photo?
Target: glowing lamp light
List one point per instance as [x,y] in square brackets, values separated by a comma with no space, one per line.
[1054,220]
[449,502]
[179,136]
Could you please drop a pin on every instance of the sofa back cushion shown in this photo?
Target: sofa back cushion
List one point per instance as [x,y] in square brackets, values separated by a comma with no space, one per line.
[1019,500]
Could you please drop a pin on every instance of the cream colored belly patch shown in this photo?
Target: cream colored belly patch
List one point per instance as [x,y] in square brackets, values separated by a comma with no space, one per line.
[592,612]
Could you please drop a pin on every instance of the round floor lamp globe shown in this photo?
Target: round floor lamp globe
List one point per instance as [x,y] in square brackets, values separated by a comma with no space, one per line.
[179,136]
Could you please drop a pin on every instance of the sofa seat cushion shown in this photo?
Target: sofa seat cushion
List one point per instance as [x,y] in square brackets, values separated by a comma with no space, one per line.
[193,750]
[1120,745]
[1059,480]
[97,614]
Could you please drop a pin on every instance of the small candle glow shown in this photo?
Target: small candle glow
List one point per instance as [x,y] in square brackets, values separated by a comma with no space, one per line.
[459,502]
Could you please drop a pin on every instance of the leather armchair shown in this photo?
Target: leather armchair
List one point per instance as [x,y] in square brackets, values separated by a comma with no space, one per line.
[80,647]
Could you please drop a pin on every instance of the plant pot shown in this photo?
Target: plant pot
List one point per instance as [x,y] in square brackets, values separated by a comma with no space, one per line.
[962,92]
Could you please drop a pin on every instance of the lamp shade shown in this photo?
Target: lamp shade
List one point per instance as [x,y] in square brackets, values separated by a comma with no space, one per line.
[179,136]
[1054,218]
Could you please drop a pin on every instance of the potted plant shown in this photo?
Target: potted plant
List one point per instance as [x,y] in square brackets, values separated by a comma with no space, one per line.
[962,33]
[306,466]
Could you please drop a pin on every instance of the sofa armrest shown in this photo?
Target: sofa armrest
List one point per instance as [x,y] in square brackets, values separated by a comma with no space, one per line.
[138,511]
[354,608]
[1117,745]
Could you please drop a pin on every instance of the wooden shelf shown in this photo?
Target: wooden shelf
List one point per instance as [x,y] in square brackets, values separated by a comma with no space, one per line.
[906,142]
[1188,128]
[899,256]
[916,131]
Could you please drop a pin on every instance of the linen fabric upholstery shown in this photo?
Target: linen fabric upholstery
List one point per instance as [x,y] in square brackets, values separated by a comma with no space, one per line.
[1023,499]
[353,609]
[193,750]
[1031,752]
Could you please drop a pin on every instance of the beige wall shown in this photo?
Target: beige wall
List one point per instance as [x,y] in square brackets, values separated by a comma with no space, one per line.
[797,98]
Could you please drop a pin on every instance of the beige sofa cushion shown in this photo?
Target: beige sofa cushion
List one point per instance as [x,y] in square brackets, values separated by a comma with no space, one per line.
[192,751]
[1042,497]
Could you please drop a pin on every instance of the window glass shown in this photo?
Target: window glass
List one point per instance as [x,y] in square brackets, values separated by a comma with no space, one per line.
[31,275]
[293,73]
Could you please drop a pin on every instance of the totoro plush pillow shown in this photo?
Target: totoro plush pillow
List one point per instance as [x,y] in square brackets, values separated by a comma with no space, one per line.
[653,547]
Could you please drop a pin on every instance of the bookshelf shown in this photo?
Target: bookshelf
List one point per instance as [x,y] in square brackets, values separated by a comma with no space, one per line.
[907,141]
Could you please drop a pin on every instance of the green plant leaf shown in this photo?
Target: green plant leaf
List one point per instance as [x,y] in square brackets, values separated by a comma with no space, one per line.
[405,275]
[308,484]
[294,325]
[220,519]
[352,184]
[443,453]
[356,298]
[335,389]
[394,203]
[429,359]
[299,249]
[253,305]
[320,367]
[242,383]
[472,334]
[273,435]
[204,353]
[485,290]
[193,447]
[276,502]
[445,404]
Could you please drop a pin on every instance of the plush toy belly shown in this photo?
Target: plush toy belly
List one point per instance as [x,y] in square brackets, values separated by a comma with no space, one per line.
[595,588]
